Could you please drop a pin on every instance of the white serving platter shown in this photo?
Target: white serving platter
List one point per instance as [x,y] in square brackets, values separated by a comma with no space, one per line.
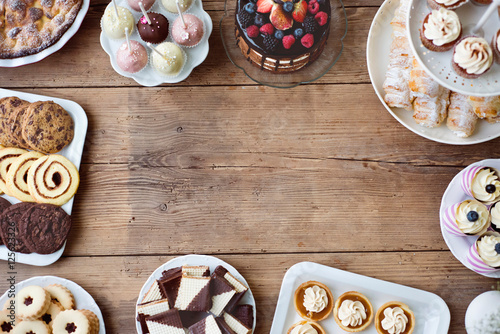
[197,260]
[16,62]
[459,246]
[149,76]
[73,152]
[377,55]
[438,64]
[431,312]
[83,299]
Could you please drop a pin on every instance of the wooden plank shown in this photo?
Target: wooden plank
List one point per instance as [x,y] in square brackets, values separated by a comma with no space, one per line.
[252,126]
[116,288]
[83,63]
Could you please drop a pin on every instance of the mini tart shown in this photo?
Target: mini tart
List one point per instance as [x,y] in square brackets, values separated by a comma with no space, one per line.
[462,71]
[410,326]
[436,5]
[429,44]
[314,325]
[354,296]
[299,302]
[495,45]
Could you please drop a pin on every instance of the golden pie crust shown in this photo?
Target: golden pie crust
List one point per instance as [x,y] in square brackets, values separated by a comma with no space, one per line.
[316,326]
[354,296]
[30,26]
[299,302]
[410,326]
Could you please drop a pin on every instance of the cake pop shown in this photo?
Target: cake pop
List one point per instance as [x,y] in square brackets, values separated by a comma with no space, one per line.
[171,6]
[115,20]
[187,29]
[167,58]
[134,4]
[131,56]
[152,27]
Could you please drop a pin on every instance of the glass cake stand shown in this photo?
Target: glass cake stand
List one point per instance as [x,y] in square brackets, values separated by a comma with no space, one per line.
[330,55]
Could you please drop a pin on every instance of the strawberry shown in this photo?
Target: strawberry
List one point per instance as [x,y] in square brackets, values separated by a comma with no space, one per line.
[280,19]
[300,11]
[288,41]
[264,6]
[267,29]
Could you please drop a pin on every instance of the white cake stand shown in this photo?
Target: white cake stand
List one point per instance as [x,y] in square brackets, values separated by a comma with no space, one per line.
[438,64]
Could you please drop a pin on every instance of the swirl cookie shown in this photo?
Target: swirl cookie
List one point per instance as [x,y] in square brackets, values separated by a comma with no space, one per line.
[9,227]
[47,127]
[7,157]
[18,174]
[62,295]
[32,327]
[7,105]
[53,179]
[44,228]
[76,321]
[32,302]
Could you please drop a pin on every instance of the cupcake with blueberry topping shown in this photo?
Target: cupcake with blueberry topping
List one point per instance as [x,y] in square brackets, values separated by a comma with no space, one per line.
[495,216]
[447,4]
[441,30]
[482,183]
[472,57]
[469,217]
[484,254]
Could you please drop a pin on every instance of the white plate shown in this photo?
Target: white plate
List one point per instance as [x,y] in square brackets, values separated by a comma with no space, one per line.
[431,312]
[198,260]
[15,62]
[377,55]
[73,152]
[438,64]
[83,299]
[149,76]
[459,246]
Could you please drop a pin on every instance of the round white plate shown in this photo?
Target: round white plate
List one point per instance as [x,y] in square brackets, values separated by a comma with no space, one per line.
[149,76]
[377,55]
[198,260]
[83,299]
[16,62]
[438,64]
[459,246]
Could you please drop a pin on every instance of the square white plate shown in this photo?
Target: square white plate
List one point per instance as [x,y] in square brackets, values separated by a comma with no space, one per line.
[73,152]
[431,312]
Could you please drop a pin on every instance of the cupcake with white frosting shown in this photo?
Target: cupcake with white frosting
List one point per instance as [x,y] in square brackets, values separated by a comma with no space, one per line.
[472,57]
[441,30]
[484,254]
[395,318]
[447,4]
[353,312]
[495,216]
[482,183]
[469,217]
[496,44]
[313,301]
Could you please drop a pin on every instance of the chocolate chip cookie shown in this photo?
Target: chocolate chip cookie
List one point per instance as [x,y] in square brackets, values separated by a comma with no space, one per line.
[14,126]
[9,227]
[7,106]
[47,127]
[44,228]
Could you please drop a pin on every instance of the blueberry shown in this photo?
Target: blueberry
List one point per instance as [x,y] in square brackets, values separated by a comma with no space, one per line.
[279,34]
[298,33]
[259,20]
[472,216]
[288,7]
[321,2]
[497,247]
[490,188]
[250,8]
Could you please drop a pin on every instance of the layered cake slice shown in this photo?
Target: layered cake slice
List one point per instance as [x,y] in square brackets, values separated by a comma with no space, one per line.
[150,309]
[169,284]
[196,271]
[237,326]
[244,313]
[154,293]
[194,294]
[239,287]
[223,326]
[222,293]
[205,326]
[168,322]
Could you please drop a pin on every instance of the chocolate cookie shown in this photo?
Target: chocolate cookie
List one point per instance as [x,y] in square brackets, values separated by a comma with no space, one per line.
[47,127]
[4,204]
[7,106]
[44,228]
[9,227]
[14,126]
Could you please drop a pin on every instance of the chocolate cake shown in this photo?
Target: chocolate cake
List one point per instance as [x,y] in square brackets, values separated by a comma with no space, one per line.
[244,313]
[150,309]
[169,284]
[165,322]
[222,292]
[282,36]
[205,326]
[194,294]
[240,288]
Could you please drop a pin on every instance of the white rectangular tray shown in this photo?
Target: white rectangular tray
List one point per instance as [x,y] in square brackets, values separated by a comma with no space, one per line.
[431,312]
[73,152]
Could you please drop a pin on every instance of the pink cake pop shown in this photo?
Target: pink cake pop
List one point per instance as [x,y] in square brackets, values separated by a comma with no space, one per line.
[131,56]
[134,4]
[187,29]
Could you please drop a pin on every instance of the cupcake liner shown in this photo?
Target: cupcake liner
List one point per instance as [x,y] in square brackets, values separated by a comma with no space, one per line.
[449,222]
[476,263]
[145,66]
[176,12]
[165,75]
[117,39]
[467,176]
[191,46]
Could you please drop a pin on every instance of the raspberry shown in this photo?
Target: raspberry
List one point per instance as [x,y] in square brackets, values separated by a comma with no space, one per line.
[313,7]
[307,40]
[253,31]
[267,29]
[310,25]
[270,42]
[288,41]
[321,18]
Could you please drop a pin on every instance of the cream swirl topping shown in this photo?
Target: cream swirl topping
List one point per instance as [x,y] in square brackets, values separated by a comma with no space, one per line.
[352,313]
[315,299]
[495,215]
[474,55]
[498,42]
[442,27]
[447,2]
[304,329]
[395,320]
[472,227]
[486,178]
[488,249]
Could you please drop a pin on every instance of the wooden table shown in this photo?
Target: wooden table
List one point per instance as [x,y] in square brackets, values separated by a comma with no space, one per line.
[260,177]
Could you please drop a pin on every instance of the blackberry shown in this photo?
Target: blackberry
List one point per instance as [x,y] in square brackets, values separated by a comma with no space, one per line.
[270,42]
[310,25]
[245,18]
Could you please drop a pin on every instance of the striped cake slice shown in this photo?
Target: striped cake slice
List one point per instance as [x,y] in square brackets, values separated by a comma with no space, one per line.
[148,309]
[240,288]
[194,294]
[205,326]
[236,325]
[196,271]
[153,294]
[168,322]
[222,293]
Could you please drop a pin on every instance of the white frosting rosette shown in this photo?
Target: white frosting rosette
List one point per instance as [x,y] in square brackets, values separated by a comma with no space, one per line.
[474,181]
[495,216]
[456,222]
[483,254]
[449,4]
